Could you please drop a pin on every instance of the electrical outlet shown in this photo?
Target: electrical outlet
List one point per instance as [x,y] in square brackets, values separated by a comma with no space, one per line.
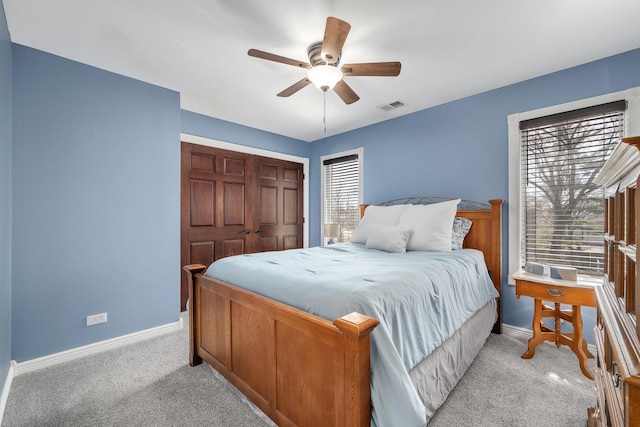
[96,319]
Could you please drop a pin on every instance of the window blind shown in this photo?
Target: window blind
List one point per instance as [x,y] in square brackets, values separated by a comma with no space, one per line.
[561,207]
[341,197]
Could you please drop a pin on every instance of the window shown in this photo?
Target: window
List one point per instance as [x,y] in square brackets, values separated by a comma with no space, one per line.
[561,204]
[342,195]
[555,209]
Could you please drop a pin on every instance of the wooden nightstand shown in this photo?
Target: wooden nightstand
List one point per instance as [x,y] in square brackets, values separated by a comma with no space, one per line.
[576,294]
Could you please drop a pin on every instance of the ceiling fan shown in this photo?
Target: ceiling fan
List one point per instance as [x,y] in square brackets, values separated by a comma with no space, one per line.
[324,59]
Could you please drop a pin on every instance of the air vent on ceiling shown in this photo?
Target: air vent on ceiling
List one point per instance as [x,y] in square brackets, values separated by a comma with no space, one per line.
[391,106]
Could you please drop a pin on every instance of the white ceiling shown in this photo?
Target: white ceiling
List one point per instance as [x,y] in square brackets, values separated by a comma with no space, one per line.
[449,49]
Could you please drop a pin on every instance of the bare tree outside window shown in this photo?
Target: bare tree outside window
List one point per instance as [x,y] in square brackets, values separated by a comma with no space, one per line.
[345,212]
[563,206]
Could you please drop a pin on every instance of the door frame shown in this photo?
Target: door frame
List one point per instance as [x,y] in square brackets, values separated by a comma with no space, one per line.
[194,139]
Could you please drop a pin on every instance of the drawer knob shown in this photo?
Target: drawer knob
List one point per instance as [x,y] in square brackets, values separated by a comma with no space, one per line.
[555,292]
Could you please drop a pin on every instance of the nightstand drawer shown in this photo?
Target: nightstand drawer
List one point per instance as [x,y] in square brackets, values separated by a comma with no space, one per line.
[557,294]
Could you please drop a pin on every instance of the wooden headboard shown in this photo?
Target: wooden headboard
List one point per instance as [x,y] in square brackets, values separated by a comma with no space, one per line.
[486,229]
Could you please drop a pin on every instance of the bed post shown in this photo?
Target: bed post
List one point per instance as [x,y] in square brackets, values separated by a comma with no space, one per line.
[192,270]
[356,329]
[496,256]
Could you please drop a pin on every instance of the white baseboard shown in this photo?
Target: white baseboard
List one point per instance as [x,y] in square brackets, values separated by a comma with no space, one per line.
[4,395]
[517,332]
[75,353]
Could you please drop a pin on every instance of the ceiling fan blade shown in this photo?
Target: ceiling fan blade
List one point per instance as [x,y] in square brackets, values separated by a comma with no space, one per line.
[335,34]
[372,69]
[277,58]
[294,87]
[345,92]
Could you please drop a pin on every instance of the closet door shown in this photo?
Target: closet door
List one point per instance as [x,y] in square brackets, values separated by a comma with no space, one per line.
[212,207]
[234,203]
[278,208]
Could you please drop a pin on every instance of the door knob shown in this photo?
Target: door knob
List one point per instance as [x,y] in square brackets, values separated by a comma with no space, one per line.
[258,230]
[246,231]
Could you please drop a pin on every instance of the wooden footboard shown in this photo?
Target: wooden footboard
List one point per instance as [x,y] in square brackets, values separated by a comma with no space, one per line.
[299,369]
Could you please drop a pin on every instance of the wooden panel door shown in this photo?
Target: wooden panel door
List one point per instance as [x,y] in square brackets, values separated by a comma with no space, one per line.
[213,206]
[279,203]
[234,203]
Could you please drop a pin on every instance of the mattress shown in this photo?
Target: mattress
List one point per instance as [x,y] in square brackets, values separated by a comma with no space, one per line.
[420,298]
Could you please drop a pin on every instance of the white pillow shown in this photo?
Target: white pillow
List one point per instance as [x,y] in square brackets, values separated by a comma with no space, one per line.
[374,217]
[389,238]
[431,225]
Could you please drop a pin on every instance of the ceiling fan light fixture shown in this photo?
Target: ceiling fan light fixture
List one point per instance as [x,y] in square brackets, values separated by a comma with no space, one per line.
[324,77]
[323,69]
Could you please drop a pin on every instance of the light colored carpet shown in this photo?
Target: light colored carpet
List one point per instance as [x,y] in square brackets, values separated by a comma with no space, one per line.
[151,384]
[145,384]
[502,389]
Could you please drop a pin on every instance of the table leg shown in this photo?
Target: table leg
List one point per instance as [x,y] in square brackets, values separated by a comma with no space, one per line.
[586,350]
[578,344]
[537,331]
[558,324]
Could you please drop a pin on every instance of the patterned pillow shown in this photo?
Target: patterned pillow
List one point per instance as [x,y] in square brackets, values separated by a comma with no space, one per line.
[461,227]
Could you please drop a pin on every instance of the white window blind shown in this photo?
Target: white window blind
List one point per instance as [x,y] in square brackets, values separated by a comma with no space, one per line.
[561,207]
[341,198]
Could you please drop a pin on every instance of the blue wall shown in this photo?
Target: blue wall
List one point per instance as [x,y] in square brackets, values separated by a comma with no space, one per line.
[210,127]
[96,172]
[460,149]
[96,200]
[5,199]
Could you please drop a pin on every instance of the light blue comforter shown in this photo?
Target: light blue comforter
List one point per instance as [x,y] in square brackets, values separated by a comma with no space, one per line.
[420,299]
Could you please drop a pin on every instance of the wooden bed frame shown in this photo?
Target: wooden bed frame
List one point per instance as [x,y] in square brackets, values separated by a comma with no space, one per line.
[300,369]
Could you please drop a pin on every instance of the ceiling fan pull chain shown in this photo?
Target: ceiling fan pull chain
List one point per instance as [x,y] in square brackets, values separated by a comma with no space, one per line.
[324,110]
